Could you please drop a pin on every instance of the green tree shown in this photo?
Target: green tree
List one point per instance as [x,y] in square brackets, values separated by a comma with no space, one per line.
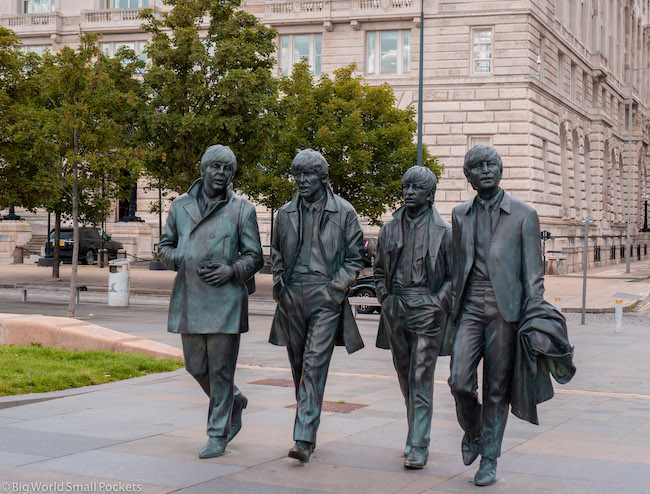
[19,162]
[367,141]
[85,120]
[210,82]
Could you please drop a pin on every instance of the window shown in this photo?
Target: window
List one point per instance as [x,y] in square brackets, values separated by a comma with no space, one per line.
[388,52]
[295,47]
[574,71]
[126,4]
[38,6]
[480,141]
[560,72]
[38,49]
[110,49]
[482,51]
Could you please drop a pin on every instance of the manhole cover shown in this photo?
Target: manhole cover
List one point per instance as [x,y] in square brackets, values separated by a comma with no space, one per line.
[284,383]
[336,407]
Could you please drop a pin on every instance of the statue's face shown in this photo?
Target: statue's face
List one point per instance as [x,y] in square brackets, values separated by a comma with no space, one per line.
[309,183]
[485,175]
[415,194]
[216,177]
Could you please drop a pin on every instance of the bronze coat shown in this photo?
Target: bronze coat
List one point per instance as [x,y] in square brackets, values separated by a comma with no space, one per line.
[228,232]
[341,242]
[438,265]
[514,258]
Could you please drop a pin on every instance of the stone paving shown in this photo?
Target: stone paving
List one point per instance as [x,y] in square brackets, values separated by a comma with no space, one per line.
[144,434]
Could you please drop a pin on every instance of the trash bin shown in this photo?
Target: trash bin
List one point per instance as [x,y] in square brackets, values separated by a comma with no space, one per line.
[119,282]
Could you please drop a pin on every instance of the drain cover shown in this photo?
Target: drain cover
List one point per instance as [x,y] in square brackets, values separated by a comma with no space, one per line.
[336,407]
[284,383]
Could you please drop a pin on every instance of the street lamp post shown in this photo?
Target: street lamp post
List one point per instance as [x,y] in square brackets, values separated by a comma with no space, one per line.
[421,83]
[629,169]
[586,220]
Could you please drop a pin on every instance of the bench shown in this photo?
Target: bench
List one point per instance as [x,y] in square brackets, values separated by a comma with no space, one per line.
[355,302]
[23,287]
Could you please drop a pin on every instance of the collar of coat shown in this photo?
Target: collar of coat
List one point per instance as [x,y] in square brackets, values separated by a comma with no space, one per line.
[505,205]
[330,205]
[192,206]
[435,221]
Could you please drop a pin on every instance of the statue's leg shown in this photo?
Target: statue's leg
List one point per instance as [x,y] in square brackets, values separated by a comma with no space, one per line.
[294,325]
[399,341]
[196,359]
[319,345]
[223,350]
[466,354]
[497,374]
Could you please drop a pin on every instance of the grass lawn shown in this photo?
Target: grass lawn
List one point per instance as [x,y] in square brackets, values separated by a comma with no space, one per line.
[37,369]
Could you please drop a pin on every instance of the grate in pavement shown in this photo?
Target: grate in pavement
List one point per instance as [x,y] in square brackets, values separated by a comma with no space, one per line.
[285,383]
[336,407]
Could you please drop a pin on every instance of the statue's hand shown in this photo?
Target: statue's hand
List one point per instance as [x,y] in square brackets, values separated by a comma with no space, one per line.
[216,274]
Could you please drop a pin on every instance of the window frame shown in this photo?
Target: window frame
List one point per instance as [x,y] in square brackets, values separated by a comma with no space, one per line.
[402,56]
[472,138]
[473,52]
[315,59]
[30,10]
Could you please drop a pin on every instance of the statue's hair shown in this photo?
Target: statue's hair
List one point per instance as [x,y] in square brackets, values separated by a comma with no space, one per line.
[218,154]
[311,160]
[478,154]
[421,176]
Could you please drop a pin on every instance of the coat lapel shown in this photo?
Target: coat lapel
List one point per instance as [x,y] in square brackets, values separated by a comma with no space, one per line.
[468,230]
[437,231]
[504,207]
[293,213]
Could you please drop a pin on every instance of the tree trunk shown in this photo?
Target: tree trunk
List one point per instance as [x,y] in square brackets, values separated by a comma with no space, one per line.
[75,228]
[57,244]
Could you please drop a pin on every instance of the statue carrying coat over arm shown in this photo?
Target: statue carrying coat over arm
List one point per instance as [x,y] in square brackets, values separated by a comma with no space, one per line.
[212,240]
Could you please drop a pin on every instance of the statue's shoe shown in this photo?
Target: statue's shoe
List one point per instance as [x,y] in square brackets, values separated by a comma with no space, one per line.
[487,472]
[417,458]
[469,449]
[236,423]
[301,451]
[216,446]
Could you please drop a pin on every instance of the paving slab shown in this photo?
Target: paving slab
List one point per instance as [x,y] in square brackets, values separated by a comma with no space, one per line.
[50,444]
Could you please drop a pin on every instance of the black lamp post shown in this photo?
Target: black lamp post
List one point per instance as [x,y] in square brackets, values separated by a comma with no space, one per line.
[645,221]
[133,206]
[12,215]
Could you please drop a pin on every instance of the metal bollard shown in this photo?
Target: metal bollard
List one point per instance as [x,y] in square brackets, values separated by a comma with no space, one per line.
[558,304]
[618,316]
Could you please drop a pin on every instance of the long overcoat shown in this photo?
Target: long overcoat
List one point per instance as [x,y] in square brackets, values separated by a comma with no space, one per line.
[437,262]
[514,258]
[229,233]
[341,242]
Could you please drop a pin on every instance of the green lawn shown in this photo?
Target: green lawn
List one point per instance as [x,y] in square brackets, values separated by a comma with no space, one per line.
[37,369]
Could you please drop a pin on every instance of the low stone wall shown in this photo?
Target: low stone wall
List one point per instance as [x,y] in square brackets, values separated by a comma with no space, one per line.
[72,334]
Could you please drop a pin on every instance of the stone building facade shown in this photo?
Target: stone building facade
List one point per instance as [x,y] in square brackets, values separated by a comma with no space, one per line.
[546,82]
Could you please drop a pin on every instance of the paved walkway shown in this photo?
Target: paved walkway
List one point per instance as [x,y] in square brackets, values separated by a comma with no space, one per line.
[604,284]
[143,435]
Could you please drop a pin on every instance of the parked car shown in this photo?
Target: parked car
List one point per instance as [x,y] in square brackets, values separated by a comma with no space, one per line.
[90,241]
[365,287]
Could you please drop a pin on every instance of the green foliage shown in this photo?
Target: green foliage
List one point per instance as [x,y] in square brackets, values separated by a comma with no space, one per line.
[367,141]
[209,83]
[86,112]
[38,369]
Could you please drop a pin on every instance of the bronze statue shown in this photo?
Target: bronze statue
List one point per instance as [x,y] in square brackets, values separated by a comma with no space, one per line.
[413,278]
[315,257]
[498,284]
[212,239]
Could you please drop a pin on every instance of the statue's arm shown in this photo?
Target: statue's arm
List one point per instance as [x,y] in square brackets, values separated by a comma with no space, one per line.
[531,255]
[352,258]
[168,246]
[379,268]
[251,259]
[277,263]
[445,291]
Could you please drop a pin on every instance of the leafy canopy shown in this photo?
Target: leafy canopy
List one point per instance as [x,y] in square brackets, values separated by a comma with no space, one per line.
[366,140]
[210,82]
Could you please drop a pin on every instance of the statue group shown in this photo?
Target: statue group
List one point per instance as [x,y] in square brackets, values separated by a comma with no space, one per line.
[472,290]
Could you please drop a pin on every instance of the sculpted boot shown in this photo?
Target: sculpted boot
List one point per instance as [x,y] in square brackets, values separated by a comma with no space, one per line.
[235,424]
[417,458]
[487,472]
[301,451]
[216,446]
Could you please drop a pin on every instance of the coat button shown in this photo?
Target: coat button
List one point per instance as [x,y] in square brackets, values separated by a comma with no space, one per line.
[212,235]
[189,258]
[192,236]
